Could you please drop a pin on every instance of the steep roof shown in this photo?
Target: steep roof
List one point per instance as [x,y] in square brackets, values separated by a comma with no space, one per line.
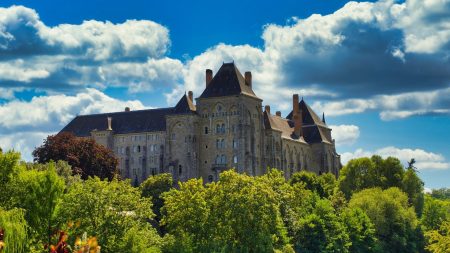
[185,105]
[308,115]
[285,126]
[228,81]
[150,120]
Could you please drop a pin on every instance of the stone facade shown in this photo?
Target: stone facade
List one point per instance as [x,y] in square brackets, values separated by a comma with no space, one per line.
[226,128]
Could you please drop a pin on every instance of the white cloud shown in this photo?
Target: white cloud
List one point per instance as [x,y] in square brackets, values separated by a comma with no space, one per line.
[93,53]
[345,134]
[47,113]
[424,160]
[24,142]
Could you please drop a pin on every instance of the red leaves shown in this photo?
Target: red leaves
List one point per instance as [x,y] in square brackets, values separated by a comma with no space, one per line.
[86,157]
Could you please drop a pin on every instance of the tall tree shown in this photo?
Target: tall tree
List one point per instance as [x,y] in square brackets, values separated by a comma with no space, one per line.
[108,210]
[86,157]
[394,220]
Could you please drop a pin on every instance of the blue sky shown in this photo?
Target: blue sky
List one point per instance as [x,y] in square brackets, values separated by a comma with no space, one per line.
[379,70]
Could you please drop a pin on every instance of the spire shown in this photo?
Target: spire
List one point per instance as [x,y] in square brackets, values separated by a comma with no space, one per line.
[323,117]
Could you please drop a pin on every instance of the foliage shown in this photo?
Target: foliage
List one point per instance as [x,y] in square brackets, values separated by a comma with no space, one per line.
[38,192]
[106,210]
[439,240]
[360,230]
[84,155]
[153,187]
[443,193]
[435,212]
[219,217]
[364,173]
[13,231]
[9,169]
[323,184]
[395,222]
[320,231]
[413,187]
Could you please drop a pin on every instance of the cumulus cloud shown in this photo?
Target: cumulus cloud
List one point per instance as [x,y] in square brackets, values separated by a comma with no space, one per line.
[424,160]
[51,113]
[392,106]
[345,134]
[93,53]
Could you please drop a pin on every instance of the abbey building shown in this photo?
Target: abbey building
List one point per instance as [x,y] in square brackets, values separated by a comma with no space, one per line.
[225,127]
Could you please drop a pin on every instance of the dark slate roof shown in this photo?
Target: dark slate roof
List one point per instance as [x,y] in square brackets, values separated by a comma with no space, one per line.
[127,122]
[308,115]
[227,82]
[185,105]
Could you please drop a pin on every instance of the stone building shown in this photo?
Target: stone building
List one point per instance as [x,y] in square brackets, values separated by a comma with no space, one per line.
[226,127]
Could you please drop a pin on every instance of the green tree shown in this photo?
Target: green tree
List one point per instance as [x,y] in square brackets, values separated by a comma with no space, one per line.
[239,213]
[360,230]
[439,240]
[107,210]
[153,187]
[321,231]
[356,175]
[13,231]
[435,212]
[413,187]
[84,155]
[323,185]
[38,192]
[395,221]
[10,168]
[443,193]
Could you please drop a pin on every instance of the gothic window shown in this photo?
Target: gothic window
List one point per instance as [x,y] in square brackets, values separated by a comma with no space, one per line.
[235,159]
[235,144]
[151,148]
[217,128]
[210,178]
[139,149]
[155,147]
[222,143]
[173,136]
[217,143]
[206,130]
[223,159]
[217,159]
[222,128]
[180,169]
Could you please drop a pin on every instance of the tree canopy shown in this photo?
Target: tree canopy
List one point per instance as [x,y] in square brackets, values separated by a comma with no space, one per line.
[84,155]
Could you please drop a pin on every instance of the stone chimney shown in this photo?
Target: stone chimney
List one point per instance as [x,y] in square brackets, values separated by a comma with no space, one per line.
[248,78]
[267,109]
[278,113]
[109,124]
[209,76]
[296,116]
[191,96]
[127,109]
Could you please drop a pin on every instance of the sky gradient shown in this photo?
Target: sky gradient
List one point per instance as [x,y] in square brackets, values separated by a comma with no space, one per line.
[379,70]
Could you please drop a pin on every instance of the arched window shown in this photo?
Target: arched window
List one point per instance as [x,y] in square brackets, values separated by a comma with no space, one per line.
[222,143]
[206,130]
[217,128]
[222,128]
[210,178]
[217,159]
[155,147]
[217,143]
[235,159]
[223,159]
[139,148]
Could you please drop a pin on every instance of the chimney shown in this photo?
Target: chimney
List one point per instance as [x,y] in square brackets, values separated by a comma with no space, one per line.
[248,78]
[209,76]
[278,113]
[191,96]
[267,109]
[297,116]
[127,109]
[109,124]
